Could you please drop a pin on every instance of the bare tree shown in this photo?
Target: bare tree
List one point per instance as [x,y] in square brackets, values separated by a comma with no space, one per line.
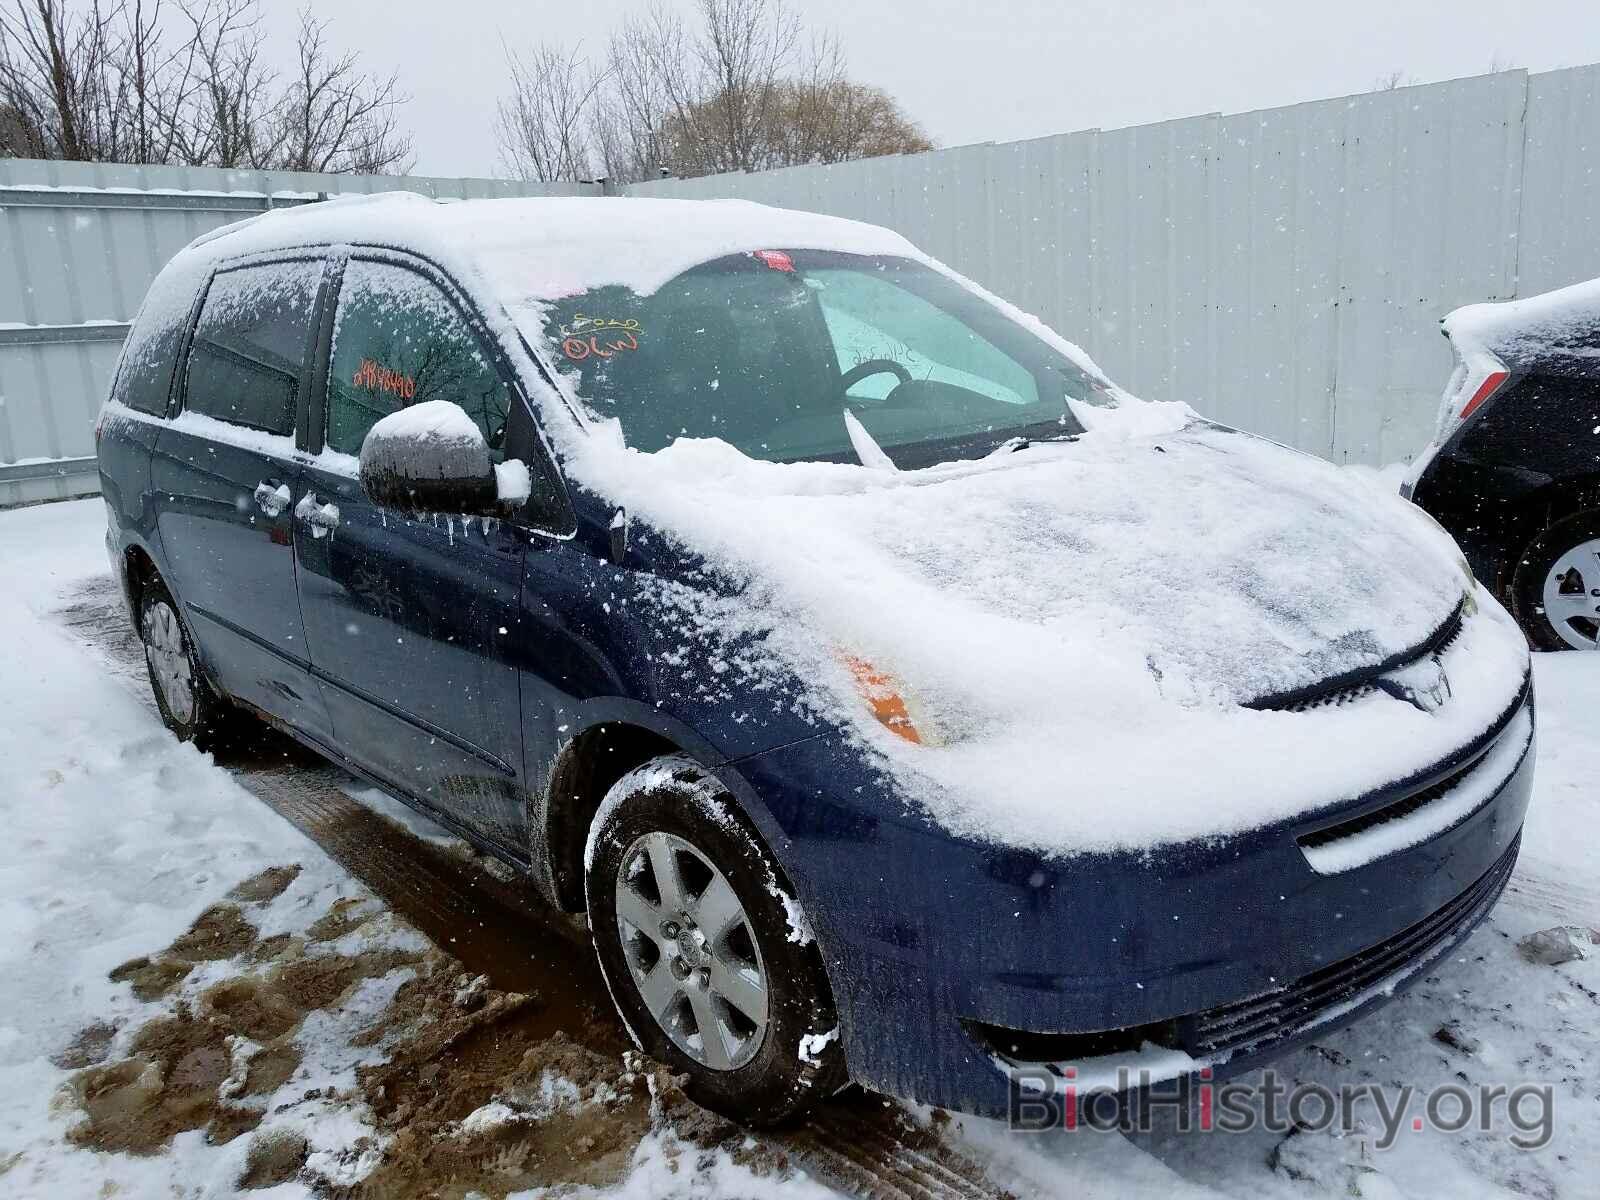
[53,76]
[746,47]
[221,91]
[648,61]
[544,126]
[184,81]
[741,88]
[13,137]
[335,117]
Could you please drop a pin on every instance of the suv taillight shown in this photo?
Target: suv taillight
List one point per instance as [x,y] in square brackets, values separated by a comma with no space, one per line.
[1477,377]
[1490,385]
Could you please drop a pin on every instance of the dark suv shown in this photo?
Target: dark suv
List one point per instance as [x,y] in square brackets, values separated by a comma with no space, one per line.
[901,700]
[1513,471]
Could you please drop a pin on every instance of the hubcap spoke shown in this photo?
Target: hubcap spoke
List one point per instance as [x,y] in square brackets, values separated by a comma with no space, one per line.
[742,990]
[1564,608]
[718,910]
[713,1040]
[660,991]
[664,863]
[639,912]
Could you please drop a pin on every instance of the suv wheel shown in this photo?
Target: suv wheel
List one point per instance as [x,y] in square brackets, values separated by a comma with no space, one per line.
[1556,587]
[187,703]
[706,953]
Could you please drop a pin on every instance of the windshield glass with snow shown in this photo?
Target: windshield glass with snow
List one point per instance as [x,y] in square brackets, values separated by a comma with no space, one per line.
[767,350]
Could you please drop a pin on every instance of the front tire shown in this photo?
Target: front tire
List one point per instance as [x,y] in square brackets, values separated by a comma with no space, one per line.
[1555,589]
[704,949]
[188,704]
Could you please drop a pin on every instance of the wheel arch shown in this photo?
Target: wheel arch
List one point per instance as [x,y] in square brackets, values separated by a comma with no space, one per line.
[1525,521]
[139,570]
[618,736]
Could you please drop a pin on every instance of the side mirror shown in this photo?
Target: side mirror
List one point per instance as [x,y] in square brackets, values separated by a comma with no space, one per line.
[430,457]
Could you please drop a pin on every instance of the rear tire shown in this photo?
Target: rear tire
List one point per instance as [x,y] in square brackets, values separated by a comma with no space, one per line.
[190,707]
[1555,589]
[722,948]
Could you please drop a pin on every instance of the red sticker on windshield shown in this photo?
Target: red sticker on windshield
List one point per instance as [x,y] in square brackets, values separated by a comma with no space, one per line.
[776,259]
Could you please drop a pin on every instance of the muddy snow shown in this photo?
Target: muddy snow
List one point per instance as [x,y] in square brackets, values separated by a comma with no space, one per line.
[253,976]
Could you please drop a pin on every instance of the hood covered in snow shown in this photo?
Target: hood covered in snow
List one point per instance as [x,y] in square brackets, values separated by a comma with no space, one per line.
[1076,620]
[1223,567]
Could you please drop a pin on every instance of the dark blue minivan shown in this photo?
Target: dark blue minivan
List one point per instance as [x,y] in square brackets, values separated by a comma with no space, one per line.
[902,701]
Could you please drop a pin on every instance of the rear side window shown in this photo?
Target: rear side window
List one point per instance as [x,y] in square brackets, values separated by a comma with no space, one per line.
[250,345]
[399,340]
[144,378]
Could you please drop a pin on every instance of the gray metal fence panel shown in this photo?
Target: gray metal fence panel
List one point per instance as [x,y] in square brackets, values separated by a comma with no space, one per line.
[79,244]
[1558,235]
[1282,270]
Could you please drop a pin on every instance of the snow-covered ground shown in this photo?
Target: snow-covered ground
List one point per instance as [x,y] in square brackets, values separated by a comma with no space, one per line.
[194,996]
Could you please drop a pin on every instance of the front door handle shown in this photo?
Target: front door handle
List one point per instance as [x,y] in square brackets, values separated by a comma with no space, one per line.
[322,518]
[272,497]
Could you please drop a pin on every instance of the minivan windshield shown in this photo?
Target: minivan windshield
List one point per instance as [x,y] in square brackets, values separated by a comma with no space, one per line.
[767,350]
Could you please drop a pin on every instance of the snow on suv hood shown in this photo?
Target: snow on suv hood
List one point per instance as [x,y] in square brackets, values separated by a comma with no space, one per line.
[1076,625]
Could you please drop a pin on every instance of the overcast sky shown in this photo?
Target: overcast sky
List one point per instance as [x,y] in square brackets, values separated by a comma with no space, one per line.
[996,71]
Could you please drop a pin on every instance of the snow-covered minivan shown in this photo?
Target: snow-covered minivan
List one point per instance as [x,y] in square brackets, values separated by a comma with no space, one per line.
[903,702]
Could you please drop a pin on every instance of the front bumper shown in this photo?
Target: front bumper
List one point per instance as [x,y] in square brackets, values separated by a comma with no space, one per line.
[952,961]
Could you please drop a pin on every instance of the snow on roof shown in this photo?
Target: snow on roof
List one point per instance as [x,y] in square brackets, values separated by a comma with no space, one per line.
[541,248]
[1551,319]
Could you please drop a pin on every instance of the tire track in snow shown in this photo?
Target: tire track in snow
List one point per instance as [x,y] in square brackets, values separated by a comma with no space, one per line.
[861,1145]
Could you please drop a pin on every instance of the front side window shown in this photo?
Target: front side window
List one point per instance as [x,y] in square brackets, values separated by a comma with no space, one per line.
[250,345]
[399,340]
[767,350]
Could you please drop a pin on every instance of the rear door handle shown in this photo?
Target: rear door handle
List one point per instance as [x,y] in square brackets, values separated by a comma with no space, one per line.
[322,518]
[272,497]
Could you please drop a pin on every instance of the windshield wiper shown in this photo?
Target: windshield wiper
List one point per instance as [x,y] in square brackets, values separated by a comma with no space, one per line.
[1010,446]
[868,452]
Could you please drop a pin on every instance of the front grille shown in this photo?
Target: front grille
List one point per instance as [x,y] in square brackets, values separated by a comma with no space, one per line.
[1262,1020]
[1334,699]
[1405,806]
[1357,685]
[1382,816]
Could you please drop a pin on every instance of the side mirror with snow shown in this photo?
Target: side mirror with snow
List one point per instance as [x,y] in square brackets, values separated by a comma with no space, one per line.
[430,457]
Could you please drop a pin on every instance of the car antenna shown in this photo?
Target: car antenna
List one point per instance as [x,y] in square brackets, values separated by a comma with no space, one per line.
[867,449]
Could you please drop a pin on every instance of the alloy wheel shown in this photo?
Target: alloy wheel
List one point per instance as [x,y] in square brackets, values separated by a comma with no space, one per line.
[169,660]
[691,951]
[1571,596]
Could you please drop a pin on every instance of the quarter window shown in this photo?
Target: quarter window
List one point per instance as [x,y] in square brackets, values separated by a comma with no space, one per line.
[144,378]
[250,345]
[399,340]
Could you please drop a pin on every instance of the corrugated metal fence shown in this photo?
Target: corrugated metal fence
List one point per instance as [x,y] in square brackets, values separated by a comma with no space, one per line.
[1282,270]
[79,244]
